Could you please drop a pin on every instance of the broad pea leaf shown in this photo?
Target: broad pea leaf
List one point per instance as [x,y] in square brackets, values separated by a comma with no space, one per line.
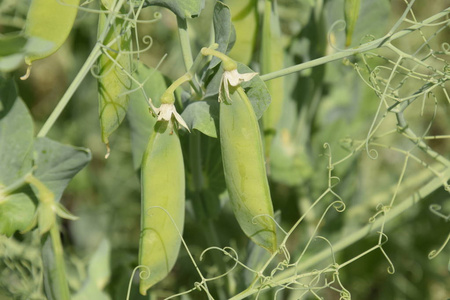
[205,198]
[16,213]
[256,91]
[203,116]
[224,34]
[11,44]
[91,291]
[182,8]
[371,22]
[56,164]
[351,13]
[16,142]
[16,134]
[140,119]
[98,275]
[15,47]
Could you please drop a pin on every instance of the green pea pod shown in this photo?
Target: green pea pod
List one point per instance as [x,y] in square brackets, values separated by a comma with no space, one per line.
[245,171]
[162,197]
[272,56]
[113,81]
[245,21]
[50,20]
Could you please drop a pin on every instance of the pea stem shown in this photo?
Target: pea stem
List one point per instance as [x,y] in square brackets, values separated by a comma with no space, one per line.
[90,61]
[378,43]
[187,54]
[53,261]
[292,274]
[184,42]
[60,283]
[168,96]
[228,63]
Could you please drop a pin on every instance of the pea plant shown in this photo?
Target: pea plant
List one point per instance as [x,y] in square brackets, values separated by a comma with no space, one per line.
[261,149]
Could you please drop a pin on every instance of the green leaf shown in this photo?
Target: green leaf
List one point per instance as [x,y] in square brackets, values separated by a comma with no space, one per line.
[205,193]
[351,13]
[223,30]
[98,274]
[182,8]
[16,138]
[11,62]
[114,82]
[98,269]
[56,164]
[64,213]
[16,213]
[11,44]
[140,119]
[203,116]
[89,291]
[372,21]
[256,91]
[14,49]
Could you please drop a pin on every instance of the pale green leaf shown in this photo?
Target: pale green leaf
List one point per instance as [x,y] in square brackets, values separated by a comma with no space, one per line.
[182,8]
[16,213]
[351,13]
[202,115]
[16,134]
[56,163]
[223,30]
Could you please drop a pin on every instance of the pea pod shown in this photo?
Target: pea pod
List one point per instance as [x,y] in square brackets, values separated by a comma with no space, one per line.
[50,20]
[114,67]
[244,168]
[162,200]
[245,21]
[272,56]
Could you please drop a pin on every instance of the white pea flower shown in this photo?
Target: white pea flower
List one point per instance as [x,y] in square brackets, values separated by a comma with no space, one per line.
[233,78]
[166,111]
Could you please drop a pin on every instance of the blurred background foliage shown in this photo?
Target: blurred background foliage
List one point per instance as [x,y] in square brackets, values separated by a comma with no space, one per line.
[326,104]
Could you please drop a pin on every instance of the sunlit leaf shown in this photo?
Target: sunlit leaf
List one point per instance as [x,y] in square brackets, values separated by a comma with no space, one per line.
[56,163]
[16,212]
[182,8]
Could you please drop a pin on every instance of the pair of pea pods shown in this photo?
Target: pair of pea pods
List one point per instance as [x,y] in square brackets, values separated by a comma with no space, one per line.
[163,186]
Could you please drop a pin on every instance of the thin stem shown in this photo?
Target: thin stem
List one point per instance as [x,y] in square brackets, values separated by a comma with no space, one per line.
[184,42]
[90,61]
[61,280]
[287,276]
[92,58]
[363,48]
[228,63]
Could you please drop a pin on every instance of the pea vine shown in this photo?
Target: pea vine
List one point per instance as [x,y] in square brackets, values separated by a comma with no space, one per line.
[406,69]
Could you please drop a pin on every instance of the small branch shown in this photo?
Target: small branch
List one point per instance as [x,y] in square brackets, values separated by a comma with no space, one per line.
[378,43]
